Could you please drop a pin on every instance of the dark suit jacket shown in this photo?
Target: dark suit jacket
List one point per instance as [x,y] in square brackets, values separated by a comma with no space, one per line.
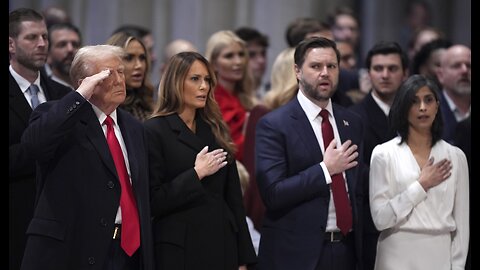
[449,121]
[347,80]
[463,139]
[197,224]
[78,190]
[375,123]
[377,131]
[21,165]
[293,187]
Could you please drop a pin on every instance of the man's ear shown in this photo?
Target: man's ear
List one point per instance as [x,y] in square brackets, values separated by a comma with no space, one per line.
[297,70]
[11,45]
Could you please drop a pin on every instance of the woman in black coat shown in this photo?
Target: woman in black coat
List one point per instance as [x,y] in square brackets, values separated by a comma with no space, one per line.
[199,218]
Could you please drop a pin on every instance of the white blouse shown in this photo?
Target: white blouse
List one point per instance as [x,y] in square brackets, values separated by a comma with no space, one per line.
[399,203]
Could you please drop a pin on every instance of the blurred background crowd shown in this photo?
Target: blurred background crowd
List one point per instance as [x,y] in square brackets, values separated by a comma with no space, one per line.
[196,20]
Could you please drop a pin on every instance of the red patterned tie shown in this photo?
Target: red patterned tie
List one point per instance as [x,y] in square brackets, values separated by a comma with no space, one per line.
[130,236]
[339,192]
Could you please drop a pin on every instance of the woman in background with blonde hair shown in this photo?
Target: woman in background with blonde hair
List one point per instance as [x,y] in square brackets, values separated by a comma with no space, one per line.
[283,80]
[196,200]
[234,92]
[284,87]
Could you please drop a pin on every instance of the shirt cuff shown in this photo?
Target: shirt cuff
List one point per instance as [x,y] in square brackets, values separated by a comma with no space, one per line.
[416,193]
[328,178]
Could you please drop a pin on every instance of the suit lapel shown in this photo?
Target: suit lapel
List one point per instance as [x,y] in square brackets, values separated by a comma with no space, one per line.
[301,125]
[378,120]
[131,143]
[47,89]
[94,133]
[448,117]
[185,135]
[346,132]
[19,104]
[343,125]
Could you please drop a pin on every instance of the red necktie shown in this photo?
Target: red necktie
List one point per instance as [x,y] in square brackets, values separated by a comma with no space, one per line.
[339,192]
[130,237]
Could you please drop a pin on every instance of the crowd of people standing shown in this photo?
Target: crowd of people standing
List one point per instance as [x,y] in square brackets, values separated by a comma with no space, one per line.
[350,165]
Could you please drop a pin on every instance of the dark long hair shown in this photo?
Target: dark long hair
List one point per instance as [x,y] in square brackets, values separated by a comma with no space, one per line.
[398,116]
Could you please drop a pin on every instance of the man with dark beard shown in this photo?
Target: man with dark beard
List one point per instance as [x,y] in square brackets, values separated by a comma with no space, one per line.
[65,40]
[308,168]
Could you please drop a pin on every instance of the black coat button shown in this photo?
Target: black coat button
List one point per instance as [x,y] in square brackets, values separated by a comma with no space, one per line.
[110,184]
[103,222]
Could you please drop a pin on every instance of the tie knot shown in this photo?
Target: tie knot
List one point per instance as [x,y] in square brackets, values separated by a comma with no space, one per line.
[33,89]
[324,114]
[108,121]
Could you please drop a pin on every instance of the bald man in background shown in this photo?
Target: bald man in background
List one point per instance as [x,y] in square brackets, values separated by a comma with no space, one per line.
[455,75]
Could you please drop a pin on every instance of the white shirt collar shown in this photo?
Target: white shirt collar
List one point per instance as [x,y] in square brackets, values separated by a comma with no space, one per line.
[102,116]
[22,82]
[456,112]
[311,109]
[383,106]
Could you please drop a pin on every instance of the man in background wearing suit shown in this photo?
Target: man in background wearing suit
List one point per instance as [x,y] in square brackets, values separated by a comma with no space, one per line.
[28,46]
[295,171]
[387,67]
[81,217]
[455,75]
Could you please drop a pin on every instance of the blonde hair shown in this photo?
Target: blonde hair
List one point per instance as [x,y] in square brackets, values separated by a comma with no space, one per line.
[283,80]
[243,89]
[243,175]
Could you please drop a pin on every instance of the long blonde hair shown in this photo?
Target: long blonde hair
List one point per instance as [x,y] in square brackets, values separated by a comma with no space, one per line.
[283,80]
[170,96]
[244,89]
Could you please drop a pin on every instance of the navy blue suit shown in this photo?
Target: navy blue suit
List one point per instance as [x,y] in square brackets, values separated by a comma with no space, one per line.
[294,190]
[449,121]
